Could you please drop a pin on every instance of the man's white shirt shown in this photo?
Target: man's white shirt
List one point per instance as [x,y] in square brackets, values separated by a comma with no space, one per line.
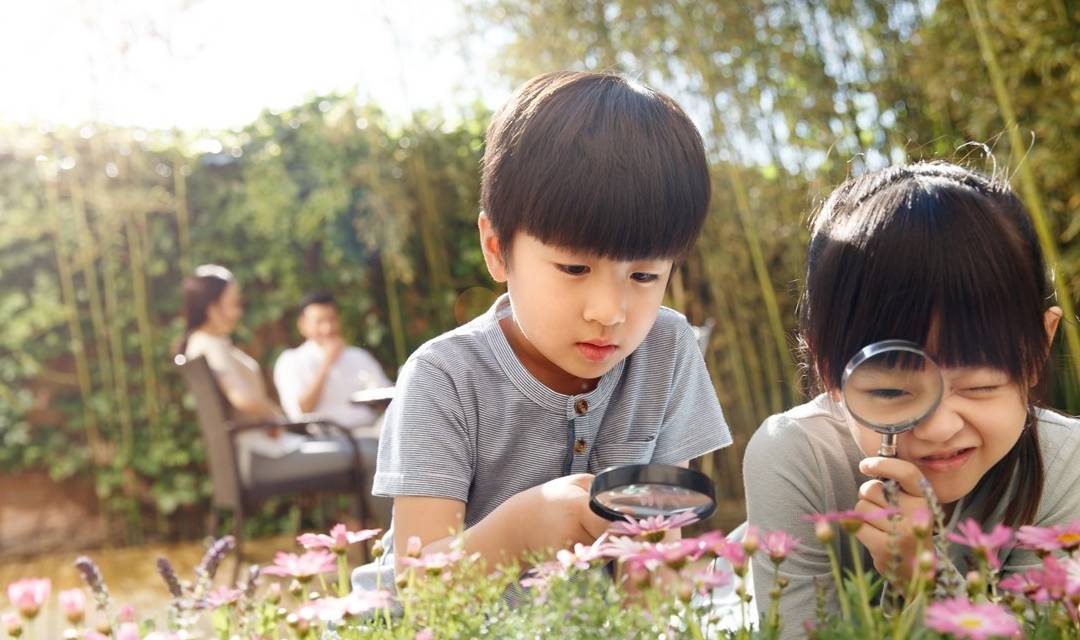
[296,369]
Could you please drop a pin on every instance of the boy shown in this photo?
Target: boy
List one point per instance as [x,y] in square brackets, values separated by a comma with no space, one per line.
[592,187]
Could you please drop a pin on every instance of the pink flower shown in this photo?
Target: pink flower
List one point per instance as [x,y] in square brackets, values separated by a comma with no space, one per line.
[29,594]
[414,547]
[338,540]
[1054,538]
[619,547]
[223,596]
[778,545]
[73,604]
[302,567]
[357,602]
[652,557]
[705,581]
[126,614]
[850,520]
[653,528]
[128,631]
[581,557]
[985,545]
[12,624]
[964,619]
[541,575]
[434,562]
[424,634]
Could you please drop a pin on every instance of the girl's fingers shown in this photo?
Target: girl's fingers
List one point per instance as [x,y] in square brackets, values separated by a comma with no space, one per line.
[905,473]
[874,491]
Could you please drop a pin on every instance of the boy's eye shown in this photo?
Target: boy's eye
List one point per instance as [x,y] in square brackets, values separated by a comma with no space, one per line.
[984,389]
[644,277]
[573,269]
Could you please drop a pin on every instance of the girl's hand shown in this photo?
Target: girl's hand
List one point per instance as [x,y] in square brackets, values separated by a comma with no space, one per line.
[874,535]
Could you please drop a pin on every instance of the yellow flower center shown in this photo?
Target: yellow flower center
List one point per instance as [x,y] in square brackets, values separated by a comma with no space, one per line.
[1069,539]
[971,622]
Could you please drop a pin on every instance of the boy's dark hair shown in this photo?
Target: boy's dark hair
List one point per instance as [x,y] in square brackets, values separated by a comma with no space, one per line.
[595,163]
[319,297]
[911,249]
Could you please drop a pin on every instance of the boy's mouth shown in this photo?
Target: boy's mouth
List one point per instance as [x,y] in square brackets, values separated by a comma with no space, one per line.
[596,351]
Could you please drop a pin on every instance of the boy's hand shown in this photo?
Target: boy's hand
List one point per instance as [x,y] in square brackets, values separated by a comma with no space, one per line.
[556,514]
[874,535]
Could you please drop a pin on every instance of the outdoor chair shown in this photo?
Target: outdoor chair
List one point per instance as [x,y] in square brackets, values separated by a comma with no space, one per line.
[703,333]
[230,491]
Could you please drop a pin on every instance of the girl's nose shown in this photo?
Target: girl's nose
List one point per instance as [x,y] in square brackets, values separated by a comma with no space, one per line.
[941,425]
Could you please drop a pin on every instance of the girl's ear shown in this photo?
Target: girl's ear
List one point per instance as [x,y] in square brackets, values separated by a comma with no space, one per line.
[1051,320]
[489,244]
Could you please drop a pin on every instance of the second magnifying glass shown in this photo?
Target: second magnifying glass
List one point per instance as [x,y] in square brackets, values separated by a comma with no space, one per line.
[891,387]
[648,490]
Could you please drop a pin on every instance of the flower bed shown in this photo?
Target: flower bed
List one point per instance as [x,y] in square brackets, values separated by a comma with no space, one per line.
[661,589]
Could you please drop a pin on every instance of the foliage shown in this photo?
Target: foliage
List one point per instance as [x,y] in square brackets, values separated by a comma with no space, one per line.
[654,588]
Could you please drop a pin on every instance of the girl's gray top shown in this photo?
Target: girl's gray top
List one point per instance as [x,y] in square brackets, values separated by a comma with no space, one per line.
[805,461]
[470,423]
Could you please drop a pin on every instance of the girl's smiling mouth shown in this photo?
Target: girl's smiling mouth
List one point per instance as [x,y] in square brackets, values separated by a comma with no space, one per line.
[946,460]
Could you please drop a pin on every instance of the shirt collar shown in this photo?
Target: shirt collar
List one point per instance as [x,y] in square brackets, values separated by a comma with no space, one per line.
[521,378]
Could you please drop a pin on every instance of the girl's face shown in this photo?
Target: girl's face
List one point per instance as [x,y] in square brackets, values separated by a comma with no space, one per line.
[225,314]
[981,416]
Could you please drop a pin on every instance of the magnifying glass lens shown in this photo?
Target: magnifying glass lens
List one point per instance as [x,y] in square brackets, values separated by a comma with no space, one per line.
[649,490]
[645,501]
[892,390]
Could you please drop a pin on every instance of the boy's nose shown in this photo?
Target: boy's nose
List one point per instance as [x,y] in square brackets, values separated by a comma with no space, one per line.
[941,425]
[605,306]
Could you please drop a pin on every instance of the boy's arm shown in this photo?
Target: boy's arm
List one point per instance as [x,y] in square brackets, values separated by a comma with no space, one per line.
[553,515]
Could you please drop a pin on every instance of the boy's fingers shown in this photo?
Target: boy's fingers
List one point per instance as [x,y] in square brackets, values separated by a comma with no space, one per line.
[874,491]
[583,480]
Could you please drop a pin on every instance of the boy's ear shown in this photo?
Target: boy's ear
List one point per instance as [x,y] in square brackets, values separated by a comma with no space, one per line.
[489,244]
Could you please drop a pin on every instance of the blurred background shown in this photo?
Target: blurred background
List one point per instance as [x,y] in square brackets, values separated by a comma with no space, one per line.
[335,145]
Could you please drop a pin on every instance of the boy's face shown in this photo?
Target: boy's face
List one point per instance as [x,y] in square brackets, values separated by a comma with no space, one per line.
[576,315]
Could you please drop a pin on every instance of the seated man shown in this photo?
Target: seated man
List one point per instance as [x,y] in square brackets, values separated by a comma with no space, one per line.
[315,380]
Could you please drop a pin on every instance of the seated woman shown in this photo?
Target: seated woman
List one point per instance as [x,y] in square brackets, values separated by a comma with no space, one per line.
[212,310]
[946,259]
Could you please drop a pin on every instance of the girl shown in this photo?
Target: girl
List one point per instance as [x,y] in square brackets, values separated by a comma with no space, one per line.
[948,259]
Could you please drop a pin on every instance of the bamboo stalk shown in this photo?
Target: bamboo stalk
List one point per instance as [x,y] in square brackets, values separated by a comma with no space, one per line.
[78,351]
[429,237]
[87,252]
[103,210]
[1028,187]
[183,216]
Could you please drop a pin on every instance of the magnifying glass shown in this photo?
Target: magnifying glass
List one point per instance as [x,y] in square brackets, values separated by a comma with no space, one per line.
[649,490]
[890,387]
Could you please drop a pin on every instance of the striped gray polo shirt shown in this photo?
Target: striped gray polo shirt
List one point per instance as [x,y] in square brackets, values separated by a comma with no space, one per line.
[470,423]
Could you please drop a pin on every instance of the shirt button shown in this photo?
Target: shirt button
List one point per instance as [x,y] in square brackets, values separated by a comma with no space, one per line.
[581,406]
[579,446]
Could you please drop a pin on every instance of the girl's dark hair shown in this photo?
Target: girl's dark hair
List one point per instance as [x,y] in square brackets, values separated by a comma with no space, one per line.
[201,290]
[596,163]
[933,246]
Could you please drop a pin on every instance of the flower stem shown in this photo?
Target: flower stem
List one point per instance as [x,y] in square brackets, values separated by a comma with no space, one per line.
[834,564]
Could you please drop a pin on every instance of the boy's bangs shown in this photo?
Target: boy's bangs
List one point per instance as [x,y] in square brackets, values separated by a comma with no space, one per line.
[614,170]
[934,273]
[617,208]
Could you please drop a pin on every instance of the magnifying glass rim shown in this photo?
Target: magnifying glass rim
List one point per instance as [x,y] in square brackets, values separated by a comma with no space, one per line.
[620,476]
[876,349]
